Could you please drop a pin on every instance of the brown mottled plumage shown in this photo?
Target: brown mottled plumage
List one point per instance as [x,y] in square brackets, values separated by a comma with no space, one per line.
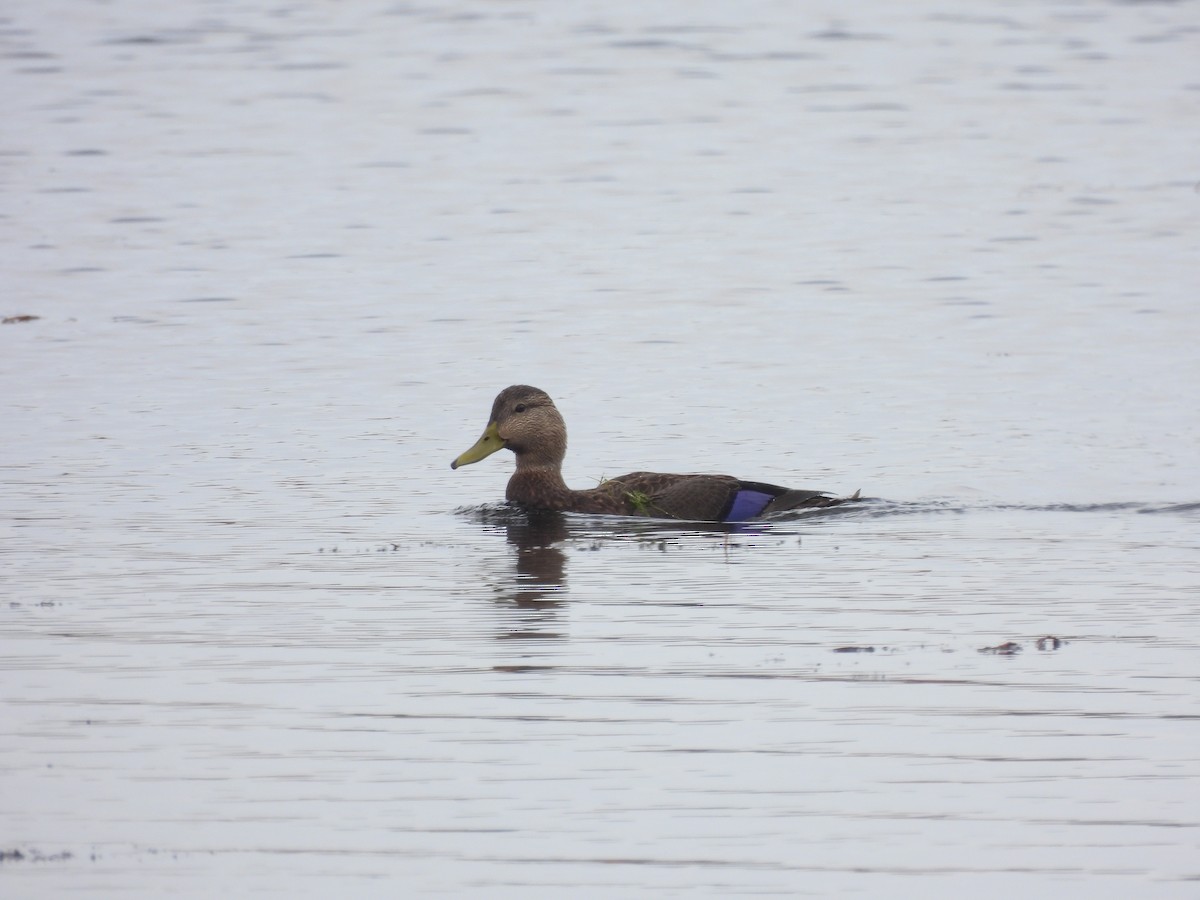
[525,420]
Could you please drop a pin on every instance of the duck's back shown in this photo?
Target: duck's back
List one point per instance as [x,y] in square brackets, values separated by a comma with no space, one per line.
[701,498]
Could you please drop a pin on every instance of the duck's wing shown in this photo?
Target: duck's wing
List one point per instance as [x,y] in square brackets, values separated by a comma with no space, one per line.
[698,498]
[742,500]
[702,498]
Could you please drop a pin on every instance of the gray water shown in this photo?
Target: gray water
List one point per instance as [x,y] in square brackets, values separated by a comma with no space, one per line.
[257,637]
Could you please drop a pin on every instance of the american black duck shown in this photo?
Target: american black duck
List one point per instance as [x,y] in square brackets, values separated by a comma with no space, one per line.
[525,420]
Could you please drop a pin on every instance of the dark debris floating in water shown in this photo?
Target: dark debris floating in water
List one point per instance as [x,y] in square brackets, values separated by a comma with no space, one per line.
[1008,648]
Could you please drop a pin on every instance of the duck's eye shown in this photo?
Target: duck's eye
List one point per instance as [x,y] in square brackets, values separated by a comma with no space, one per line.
[520,407]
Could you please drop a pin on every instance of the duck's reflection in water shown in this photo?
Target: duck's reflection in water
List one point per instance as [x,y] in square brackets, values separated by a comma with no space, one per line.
[538,585]
[541,565]
[533,590]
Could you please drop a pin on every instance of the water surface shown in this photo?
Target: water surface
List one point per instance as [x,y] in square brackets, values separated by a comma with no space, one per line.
[258,637]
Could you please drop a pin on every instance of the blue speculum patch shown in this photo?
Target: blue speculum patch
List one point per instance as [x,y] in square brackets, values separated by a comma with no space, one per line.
[747,505]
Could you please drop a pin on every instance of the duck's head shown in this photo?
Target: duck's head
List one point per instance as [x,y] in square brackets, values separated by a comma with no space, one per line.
[525,420]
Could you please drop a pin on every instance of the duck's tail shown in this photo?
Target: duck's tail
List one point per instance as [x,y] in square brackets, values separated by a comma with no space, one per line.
[796,499]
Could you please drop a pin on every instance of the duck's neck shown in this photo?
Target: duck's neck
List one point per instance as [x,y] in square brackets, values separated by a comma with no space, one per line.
[539,485]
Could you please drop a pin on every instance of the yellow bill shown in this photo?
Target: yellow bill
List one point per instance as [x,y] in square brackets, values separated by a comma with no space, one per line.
[484,447]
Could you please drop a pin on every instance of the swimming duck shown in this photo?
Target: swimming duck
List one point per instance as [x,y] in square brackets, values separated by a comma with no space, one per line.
[525,420]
